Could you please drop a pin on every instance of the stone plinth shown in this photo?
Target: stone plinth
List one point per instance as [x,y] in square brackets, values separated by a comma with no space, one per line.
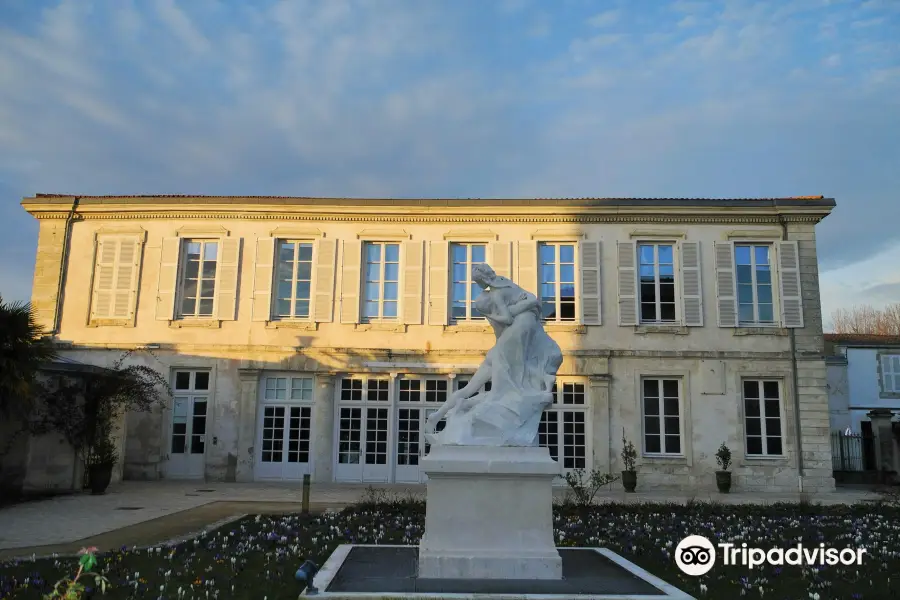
[489,514]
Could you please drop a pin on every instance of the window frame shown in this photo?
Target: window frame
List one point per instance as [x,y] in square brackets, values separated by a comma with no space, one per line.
[182,273]
[471,313]
[676,280]
[760,379]
[884,359]
[560,408]
[273,313]
[683,438]
[775,283]
[191,393]
[576,283]
[363,318]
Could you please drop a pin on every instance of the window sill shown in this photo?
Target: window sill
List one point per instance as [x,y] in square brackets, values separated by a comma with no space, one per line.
[207,323]
[657,459]
[757,461]
[292,324]
[666,329]
[565,327]
[111,323]
[761,330]
[468,327]
[386,326]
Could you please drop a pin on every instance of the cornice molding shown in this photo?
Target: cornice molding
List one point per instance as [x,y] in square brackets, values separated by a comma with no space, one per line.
[187,231]
[296,232]
[582,218]
[463,235]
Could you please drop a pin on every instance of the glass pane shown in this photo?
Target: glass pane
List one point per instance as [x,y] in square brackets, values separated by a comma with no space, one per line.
[764,293]
[458,253]
[774,445]
[742,255]
[771,408]
[193,250]
[744,274]
[206,307]
[648,273]
[478,255]
[283,307]
[651,388]
[666,293]
[770,389]
[665,255]
[651,425]
[766,313]
[651,406]
[209,270]
[284,289]
[648,292]
[459,272]
[548,273]
[209,250]
[762,255]
[208,288]
[754,445]
[392,252]
[190,289]
[671,407]
[652,444]
[182,380]
[547,254]
[201,381]
[458,311]
[302,308]
[745,293]
[764,275]
[303,290]
[179,408]
[305,252]
[670,388]
[304,271]
[567,273]
[751,389]
[667,311]
[745,313]
[754,427]
[666,273]
[286,252]
[751,408]
[390,310]
[567,253]
[187,306]
[390,291]
[646,255]
[673,444]
[191,269]
[373,291]
[671,425]
[773,426]
[392,272]
[567,311]
[459,292]
[373,253]
[373,272]
[371,309]
[199,408]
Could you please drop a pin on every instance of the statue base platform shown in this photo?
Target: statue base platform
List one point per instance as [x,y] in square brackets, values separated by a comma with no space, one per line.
[489,513]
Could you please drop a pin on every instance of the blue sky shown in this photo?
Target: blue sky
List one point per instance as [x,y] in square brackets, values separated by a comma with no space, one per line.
[471,98]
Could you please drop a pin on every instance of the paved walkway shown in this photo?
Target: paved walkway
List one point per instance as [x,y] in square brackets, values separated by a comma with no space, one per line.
[66,519]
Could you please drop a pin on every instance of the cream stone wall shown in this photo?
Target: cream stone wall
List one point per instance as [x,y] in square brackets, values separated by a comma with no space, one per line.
[610,358]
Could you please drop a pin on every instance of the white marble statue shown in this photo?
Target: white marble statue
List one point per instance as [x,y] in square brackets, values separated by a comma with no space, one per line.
[521,367]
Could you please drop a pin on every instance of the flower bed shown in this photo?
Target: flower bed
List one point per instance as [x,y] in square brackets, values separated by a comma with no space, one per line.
[257,556]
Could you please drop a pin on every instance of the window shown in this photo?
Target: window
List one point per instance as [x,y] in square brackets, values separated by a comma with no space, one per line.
[293,279]
[198,279]
[115,277]
[464,290]
[557,281]
[563,426]
[382,280]
[754,284]
[762,417]
[657,277]
[189,400]
[890,373]
[661,407]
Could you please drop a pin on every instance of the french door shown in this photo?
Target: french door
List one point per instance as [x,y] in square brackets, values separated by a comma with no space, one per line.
[284,430]
[363,430]
[187,433]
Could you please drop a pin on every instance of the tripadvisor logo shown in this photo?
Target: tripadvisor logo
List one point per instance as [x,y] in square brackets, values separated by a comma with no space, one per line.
[695,555]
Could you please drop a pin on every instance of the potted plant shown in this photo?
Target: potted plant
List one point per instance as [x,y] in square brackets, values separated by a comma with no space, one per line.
[723,475]
[629,455]
[100,464]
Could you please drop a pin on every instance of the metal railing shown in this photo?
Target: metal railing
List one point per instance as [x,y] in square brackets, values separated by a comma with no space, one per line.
[852,451]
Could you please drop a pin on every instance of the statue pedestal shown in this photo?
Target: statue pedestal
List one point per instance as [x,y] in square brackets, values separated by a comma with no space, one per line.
[489,514]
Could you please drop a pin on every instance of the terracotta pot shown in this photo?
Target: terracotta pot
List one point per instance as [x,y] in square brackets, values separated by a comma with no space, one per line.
[629,480]
[723,481]
[99,477]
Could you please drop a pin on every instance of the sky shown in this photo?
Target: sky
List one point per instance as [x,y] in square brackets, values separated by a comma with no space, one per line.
[462,98]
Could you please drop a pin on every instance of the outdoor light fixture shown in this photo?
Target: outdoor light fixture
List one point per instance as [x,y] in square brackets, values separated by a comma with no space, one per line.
[306,573]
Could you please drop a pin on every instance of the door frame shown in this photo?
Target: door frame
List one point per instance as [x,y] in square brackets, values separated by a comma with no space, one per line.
[288,404]
[168,415]
[363,404]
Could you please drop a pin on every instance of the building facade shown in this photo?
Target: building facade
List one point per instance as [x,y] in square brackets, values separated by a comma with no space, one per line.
[306,335]
[863,375]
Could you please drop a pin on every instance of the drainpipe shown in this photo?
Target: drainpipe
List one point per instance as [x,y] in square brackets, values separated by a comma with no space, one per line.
[63,268]
[795,384]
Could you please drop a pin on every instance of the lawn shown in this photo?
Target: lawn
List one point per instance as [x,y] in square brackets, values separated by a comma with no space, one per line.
[257,556]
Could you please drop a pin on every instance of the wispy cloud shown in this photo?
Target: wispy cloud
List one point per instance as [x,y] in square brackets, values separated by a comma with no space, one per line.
[605,18]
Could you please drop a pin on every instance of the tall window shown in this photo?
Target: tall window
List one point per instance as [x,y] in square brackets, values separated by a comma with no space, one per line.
[557,281]
[563,426]
[890,373]
[465,291]
[293,279]
[754,284]
[382,280]
[662,416]
[657,273]
[198,281]
[762,417]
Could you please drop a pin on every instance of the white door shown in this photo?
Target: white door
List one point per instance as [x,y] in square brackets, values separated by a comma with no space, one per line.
[187,434]
[565,427]
[410,425]
[363,430]
[284,428]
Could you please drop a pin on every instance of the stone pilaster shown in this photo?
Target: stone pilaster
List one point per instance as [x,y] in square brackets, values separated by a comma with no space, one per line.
[882,431]
[247,405]
[600,442]
[323,427]
[45,288]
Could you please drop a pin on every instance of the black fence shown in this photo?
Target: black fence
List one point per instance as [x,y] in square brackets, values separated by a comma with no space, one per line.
[854,452]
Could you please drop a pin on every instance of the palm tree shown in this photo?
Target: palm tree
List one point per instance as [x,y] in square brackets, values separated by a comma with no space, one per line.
[23,349]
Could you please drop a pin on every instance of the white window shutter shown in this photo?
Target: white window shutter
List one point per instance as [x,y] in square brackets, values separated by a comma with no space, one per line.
[789,279]
[350,276]
[726,294]
[168,278]
[527,268]
[127,267]
[438,282]
[323,284]
[591,302]
[627,276]
[104,279]
[413,282]
[691,284]
[227,268]
[499,257]
[262,279]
